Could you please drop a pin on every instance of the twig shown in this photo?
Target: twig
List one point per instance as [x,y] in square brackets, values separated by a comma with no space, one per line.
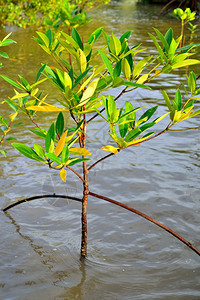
[77,174]
[98,161]
[149,219]
[39,197]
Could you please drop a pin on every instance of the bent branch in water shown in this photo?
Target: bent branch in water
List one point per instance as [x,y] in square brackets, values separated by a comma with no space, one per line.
[114,202]
[149,219]
[39,197]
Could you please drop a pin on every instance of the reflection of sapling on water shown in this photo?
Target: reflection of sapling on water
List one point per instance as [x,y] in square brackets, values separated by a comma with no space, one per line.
[81,83]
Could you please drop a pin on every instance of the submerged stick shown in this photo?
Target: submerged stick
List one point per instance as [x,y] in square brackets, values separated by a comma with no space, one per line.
[39,197]
[149,219]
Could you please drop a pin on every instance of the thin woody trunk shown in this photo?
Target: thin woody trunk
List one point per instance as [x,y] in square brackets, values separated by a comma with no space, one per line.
[84,200]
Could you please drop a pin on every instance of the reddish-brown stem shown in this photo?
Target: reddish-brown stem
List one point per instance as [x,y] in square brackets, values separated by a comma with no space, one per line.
[150,138]
[100,160]
[147,218]
[40,197]
[85,197]
[136,144]
[77,174]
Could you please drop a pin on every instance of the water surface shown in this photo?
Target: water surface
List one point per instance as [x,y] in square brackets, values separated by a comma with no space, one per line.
[128,257]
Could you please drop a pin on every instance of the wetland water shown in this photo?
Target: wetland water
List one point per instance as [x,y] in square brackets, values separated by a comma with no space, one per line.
[128,257]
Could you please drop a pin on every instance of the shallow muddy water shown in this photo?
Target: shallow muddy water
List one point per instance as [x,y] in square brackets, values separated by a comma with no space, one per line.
[128,257]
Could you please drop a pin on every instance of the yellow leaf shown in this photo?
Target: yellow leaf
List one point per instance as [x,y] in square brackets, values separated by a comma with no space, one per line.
[110,148]
[89,92]
[82,60]
[21,95]
[157,72]
[47,108]
[61,144]
[63,175]
[126,68]
[79,151]
[13,116]
[67,80]
[142,79]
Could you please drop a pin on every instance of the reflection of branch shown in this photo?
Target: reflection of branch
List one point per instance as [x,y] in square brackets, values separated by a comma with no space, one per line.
[39,197]
[166,6]
[98,161]
[149,219]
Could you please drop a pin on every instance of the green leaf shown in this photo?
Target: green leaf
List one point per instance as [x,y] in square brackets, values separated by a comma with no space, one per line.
[118,81]
[77,38]
[140,66]
[3,152]
[39,132]
[148,113]
[167,100]
[115,45]
[3,121]
[129,83]
[11,104]
[39,150]
[12,82]
[43,38]
[77,160]
[123,130]
[117,69]
[50,136]
[177,103]
[60,124]
[126,35]
[106,62]
[65,154]
[163,39]
[27,151]
[169,36]
[160,51]
[4,55]
[192,82]
[54,158]
[40,71]
[95,35]
[7,42]
[132,134]
[185,63]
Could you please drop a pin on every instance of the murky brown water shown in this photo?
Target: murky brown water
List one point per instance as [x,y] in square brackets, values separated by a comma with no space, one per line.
[128,258]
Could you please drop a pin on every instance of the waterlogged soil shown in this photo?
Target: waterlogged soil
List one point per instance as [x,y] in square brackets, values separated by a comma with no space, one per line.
[128,257]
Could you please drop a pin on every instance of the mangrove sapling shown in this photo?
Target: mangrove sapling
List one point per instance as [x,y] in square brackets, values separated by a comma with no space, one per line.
[84,86]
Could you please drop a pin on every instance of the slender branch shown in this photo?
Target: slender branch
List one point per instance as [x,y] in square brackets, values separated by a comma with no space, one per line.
[40,197]
[150,138]
[101,159]
[148,218]
[85,195]
[185,129]
[77,174]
